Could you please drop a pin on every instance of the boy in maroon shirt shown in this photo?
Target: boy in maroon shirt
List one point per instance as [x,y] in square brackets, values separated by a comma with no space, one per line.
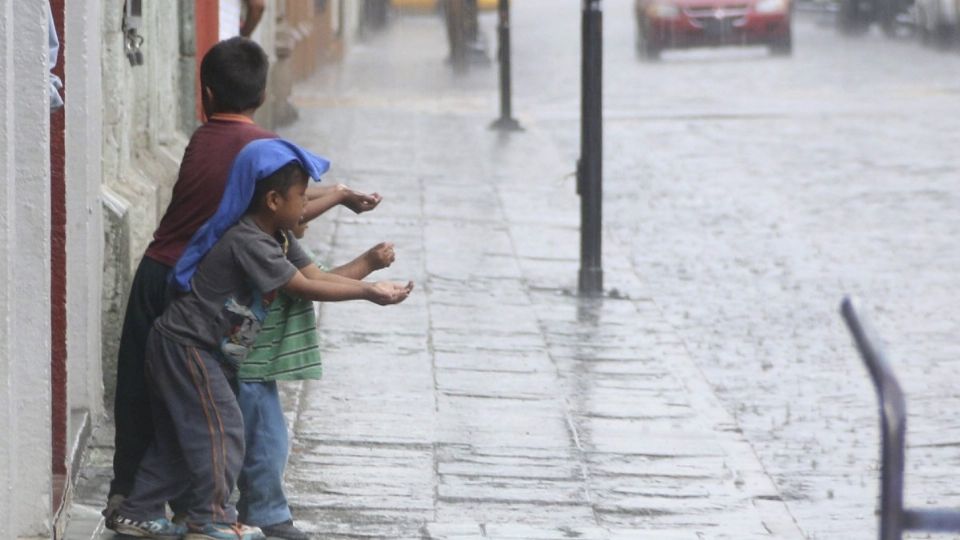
[233,78]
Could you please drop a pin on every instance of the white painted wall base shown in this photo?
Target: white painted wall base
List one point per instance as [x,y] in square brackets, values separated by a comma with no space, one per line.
[25,449]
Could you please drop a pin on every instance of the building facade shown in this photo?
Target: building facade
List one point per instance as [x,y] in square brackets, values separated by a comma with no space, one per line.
[84,187]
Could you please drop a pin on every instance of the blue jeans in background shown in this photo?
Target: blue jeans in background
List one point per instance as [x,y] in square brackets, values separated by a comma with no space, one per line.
[262,501]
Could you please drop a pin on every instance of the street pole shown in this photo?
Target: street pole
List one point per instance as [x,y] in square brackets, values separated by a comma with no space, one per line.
[506,122]
[590,165]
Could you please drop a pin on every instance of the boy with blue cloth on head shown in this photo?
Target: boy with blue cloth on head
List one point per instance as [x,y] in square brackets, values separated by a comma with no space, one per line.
[287,349]
[228,276]
[233,80]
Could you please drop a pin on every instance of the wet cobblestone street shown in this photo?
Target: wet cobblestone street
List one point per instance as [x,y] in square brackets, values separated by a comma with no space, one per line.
[744,196]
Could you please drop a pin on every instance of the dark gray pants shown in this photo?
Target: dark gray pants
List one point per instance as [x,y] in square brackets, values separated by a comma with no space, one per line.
[131,407]
[197,448]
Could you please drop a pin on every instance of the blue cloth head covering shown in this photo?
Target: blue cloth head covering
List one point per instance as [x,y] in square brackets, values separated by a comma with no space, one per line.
[258,160]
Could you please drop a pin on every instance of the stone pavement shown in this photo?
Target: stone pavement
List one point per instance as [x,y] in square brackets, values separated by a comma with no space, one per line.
[494,403]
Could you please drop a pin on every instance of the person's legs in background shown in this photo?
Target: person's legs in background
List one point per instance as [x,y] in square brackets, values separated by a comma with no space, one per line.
[131,407]
[262,501]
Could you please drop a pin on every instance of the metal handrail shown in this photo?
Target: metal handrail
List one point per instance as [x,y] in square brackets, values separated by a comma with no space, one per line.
[894,519]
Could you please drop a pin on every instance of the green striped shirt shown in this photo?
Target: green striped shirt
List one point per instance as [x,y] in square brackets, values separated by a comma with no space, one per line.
[288,345]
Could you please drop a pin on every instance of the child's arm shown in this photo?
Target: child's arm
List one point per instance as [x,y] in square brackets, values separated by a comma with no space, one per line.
[376,258]
[322,198]
[311,283]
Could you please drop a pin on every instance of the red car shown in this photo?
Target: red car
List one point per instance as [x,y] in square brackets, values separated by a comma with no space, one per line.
[675,24]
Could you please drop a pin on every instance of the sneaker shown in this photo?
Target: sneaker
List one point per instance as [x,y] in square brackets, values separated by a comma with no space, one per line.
[180,518]
[284,531]
[113,504]
[224,531]
[158,529]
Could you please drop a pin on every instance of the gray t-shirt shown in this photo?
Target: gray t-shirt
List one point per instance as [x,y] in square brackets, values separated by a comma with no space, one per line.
[232,289]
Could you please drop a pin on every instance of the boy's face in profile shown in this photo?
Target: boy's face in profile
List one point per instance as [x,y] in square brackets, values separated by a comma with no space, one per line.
[289,206]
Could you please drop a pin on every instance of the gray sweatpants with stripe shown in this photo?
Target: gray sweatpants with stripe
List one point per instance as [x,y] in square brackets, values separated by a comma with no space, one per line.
[197,447]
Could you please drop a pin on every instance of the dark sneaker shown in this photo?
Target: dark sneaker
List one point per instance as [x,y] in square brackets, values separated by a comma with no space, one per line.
[113,504]
[157,529]
[284,531]
[224,531]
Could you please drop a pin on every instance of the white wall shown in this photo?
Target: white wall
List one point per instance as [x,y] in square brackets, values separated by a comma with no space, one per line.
[84,224]
[7,451]
[141,148]
[25,449]
[141,144]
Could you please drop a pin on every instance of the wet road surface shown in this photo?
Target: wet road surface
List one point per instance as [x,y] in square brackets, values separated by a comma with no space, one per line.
[744,195]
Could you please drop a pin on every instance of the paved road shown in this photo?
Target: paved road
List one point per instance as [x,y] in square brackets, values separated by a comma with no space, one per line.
[754,192]
[749,193]
[714,393]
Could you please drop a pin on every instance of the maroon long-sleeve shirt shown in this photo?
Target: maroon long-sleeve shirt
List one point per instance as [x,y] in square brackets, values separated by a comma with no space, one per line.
[200,184]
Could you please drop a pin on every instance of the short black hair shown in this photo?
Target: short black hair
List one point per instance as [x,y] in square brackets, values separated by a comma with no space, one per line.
[280,181]
[235,70]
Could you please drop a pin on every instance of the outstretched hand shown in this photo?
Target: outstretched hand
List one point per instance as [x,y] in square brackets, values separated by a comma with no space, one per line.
[361,202]
[386,293]
[380,256]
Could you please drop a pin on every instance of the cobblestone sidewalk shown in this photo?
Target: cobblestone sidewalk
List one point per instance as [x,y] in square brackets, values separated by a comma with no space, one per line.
[494,403]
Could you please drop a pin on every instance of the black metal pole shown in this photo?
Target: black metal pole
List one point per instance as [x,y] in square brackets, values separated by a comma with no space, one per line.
[506,121]
[590,166]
